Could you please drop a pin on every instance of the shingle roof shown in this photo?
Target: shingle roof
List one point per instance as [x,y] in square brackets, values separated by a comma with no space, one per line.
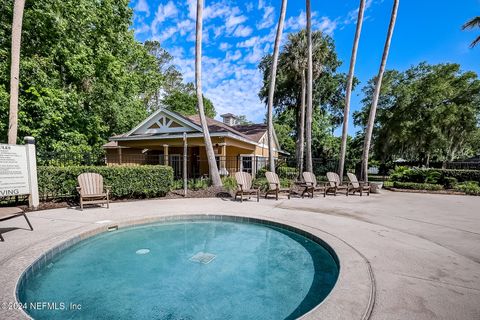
[254,131]
[218,126]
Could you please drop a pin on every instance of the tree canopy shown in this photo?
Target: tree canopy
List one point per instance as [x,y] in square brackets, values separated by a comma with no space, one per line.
[83,76]
[428,112]
[328,90]
[185,102]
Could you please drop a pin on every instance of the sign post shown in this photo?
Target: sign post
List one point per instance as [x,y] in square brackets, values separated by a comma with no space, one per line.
[185,164]
[18,171]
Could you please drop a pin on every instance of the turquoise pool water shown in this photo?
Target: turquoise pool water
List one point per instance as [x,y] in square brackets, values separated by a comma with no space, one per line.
[183,270]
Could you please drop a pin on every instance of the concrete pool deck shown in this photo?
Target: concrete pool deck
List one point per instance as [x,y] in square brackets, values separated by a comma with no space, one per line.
[423,249]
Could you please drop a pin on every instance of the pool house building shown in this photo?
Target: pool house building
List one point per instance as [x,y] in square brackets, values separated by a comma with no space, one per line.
[159,139]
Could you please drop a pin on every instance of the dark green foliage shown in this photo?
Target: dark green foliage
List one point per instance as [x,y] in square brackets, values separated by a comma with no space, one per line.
[426,113]
[289,173]
[446,177]
[262,183]
[185,102]
[328,92]
[83,76]
[198,184]
[469,187]
[417,186]
[125,182]
[229,183]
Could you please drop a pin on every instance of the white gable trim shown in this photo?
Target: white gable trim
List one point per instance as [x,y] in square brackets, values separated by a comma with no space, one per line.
[156,116]
[275,140]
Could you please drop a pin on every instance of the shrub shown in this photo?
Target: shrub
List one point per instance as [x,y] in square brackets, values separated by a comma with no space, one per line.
[449,182]
[198,184]
[447,177]
[229,183]
[125,182]
[262,183]
[282,172]
[287,172]
[399,173]
[177,184]
[469,187]
[261,173]
[417,186]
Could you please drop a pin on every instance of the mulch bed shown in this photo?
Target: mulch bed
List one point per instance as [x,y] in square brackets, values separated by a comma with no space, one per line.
[210,192]
[450,192]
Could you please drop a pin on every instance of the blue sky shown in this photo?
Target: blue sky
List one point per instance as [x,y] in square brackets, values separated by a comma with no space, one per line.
[238,33]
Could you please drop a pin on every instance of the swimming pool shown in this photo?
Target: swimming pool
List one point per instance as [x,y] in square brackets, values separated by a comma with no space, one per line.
[199,269]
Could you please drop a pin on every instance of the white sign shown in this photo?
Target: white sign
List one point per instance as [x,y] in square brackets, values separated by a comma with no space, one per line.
[14,175]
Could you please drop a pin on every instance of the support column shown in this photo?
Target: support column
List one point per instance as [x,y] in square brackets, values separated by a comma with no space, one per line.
[119,155]
[165,154]
[33,198]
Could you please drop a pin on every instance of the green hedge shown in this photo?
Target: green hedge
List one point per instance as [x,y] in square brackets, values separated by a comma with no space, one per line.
[125,182]
[417,186]
[445,177]
[262,183]
[469,187]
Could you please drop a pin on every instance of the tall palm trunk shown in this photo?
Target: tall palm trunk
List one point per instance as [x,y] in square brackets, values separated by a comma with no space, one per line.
[376,93]
[301,128]
[212,163]
[15,70]
[271,90]
[308,125]
[348,93]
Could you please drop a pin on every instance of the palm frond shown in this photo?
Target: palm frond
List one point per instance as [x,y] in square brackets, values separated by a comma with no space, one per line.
[475,42]
[475,22]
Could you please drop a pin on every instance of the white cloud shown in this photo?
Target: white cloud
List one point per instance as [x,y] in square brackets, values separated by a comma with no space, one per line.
[165,34]
[234,20]
[267,19]
[142,6]
[224,46]
[353,14]
[233,56]
[142,28]
[326,25]
[242,31]
[185,26]
[164,12]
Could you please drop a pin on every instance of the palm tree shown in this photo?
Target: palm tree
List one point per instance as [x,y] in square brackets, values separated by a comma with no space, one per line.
[308,125]
[474,23]
[271,90]
[15,69]
[295,57]
[376,93]
[348,93]
[212,163]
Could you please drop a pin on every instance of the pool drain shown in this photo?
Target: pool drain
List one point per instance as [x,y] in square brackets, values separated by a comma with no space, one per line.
[203,257]
[142,251]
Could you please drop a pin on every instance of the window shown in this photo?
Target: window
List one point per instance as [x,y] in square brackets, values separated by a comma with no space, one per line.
[246,163]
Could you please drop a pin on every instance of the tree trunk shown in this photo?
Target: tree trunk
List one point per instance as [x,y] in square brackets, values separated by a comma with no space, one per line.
[308,125]
[348,94]
[212,163]
[301,129]
[15,70]
[376,93]
[271,90]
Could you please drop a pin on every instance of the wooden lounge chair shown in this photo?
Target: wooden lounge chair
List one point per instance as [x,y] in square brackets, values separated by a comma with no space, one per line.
[334,186]
[274,185]
[311,184]
[359,186]
[91,189]
[7,213]
[244,186]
